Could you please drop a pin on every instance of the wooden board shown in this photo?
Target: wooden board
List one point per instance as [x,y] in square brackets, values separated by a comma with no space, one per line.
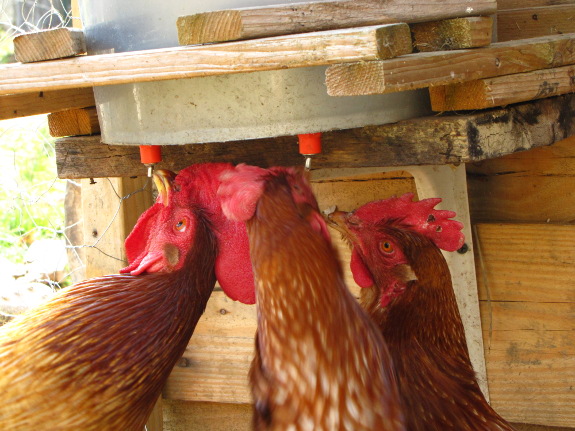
[258,22]
[49,44]
[44,102]
[525,275]
[535,22]
[456,33]
[198,416]
[518,4]
[430,140]
[442,68]
[305,50]
[74,122]
[503,90]
[533,186]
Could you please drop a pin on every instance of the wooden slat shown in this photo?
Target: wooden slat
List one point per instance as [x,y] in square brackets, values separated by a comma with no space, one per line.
[535,22]
[533,186]
[456,33]
[429,140]
[198,416]
[442,68]
[44,102]
[503,90]
[74,122]
[49,44]
[518,4]
[310,49]
[525,275]
[258,22]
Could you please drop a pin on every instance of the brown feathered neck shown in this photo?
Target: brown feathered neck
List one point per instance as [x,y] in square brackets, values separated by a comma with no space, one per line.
[103,348]
[315,346]
[425,334]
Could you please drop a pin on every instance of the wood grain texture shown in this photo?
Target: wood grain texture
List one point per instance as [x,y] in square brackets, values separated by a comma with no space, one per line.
[304,50]
[442,68]
[503,90]
[535,22]
[421,141]
[258,22]
[44,102]
[74,122]
[525,274]
[49,44]
[518,4]
[456,33]
[198,416]
[533,186]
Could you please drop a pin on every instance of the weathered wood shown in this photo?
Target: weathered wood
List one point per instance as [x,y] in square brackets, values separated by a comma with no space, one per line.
[535,22]
[525,275]
[309,49]
[456,33]
[532,186]
[74,122]
[258,22]
[44,102]
[503,90]
[49,44]
[442,68]
[518,4]
[186,416]
[429,140]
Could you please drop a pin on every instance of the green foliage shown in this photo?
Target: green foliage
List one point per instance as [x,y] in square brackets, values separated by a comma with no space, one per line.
[31,196]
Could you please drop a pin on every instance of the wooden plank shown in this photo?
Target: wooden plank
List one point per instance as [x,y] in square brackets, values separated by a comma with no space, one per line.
[49,44]
[456,33]
[429,140]
[198,416]
[528,314]
[518,4]
[441,68]
[503,90]
[533,186]
[258,22]
[305,50]
[44,102]
[74,122]
[535,22]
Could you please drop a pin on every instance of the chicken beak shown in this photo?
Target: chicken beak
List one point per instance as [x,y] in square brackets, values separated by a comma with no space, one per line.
[338,220]
[164,181]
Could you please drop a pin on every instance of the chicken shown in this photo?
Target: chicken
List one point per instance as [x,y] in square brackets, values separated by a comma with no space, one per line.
[96,356]
[321,363]
[407,290]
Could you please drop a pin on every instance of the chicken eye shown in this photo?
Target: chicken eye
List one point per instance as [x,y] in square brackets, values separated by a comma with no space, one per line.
[181,225]
[386,247]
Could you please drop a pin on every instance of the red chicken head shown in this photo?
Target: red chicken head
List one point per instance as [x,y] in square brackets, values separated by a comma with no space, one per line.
[376,232]
[165,232]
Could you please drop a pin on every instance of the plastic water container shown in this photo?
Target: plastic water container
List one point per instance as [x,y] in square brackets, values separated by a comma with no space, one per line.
[217,108]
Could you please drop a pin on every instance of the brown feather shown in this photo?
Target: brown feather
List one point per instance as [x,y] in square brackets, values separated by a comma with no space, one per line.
[95,357]
[321,363]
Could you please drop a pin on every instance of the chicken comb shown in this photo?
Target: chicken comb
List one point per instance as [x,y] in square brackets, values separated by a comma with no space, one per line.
[419,216]
[240,190]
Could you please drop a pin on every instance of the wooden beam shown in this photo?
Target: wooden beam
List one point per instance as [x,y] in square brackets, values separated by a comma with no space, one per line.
[267,21]
[186,416]
[430,140]
[530,187]
[518,4]
[305,50]
[49,44]
[442,68]
[535,22]
[44,102]
[528,310]
[74,122]
[456,33]
[503,90]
